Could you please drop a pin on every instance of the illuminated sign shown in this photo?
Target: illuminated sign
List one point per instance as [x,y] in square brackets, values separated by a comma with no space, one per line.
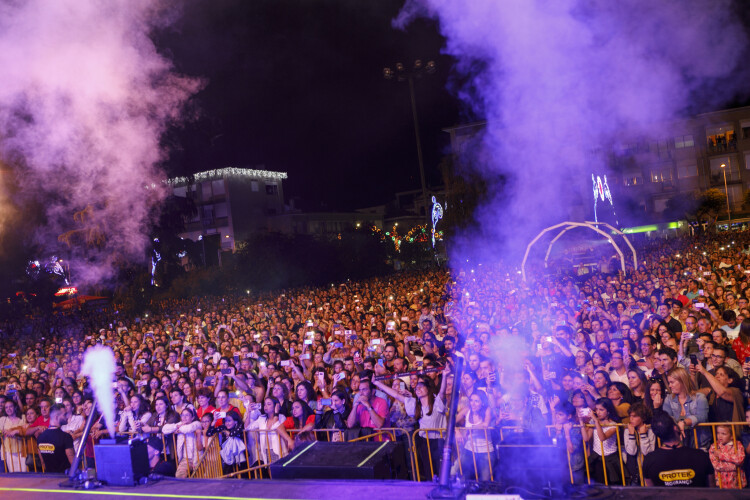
[437,214]
[601,192]
[67,290]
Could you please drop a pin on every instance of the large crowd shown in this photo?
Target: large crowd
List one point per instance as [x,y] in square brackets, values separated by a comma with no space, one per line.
[635,376]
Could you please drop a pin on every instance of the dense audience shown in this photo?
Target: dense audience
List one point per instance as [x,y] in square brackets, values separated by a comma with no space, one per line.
[585,359]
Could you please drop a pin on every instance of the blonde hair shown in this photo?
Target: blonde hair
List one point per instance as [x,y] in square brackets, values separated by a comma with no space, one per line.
[681,374]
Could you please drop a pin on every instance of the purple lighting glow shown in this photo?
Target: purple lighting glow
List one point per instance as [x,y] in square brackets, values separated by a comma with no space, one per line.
[84,101]
[557,80]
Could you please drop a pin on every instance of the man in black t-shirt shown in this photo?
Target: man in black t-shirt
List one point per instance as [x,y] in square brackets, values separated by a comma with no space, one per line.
[672,464]
[56,445]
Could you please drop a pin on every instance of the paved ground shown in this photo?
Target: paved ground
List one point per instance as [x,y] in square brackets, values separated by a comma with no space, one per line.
[37,486]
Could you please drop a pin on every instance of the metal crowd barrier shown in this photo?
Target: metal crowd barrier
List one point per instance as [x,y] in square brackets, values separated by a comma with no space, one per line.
[483,447]
[17,451]
[200,457]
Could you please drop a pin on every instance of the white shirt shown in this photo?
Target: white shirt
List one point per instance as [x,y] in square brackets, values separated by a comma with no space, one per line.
[616,377]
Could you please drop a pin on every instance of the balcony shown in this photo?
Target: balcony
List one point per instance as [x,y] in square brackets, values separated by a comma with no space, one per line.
[207,224]
[718,179]
[721,146]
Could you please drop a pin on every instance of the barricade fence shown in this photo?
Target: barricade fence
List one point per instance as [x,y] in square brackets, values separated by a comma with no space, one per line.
[477,451]
[475,456]
[20,454]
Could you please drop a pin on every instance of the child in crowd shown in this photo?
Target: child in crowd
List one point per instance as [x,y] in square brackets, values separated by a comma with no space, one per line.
[727,457]
[638,440]
[568,436]
[603,462]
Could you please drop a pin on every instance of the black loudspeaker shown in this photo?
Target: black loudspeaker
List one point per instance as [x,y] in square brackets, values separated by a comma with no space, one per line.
[360,460]
[520,464]
[121,464]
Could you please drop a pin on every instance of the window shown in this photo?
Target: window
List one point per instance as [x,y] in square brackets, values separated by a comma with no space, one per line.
[658,147]
[717,172]
[660,204]
[207,214]
[272,189]
[220,209]
[254,186]
[684,141]
[634,179]
[735,195]
[218,187]
[687,170]
[721,138]
[661,174]
[206,191]
[745,126]
[180,191]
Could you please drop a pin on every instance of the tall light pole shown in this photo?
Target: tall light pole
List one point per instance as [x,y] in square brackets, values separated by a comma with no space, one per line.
[726,191]
[401,74]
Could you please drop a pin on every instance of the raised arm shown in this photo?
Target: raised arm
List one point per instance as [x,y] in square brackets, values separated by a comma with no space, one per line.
[720,390]
[388,390]
[444,382]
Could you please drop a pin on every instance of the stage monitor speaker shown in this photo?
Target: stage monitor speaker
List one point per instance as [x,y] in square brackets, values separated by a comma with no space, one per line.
[121,464]
[520,465]
[360,460]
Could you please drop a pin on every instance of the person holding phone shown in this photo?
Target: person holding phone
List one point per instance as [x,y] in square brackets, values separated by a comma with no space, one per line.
[231,434]
[369,412]
[604,442]
[320,383]
[265,446]
[725,401]
[335,417]
[476,442]
[222,406]
[429,408]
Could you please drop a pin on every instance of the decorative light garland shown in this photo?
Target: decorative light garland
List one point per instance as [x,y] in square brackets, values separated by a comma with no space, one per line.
[416,234]
[229,172]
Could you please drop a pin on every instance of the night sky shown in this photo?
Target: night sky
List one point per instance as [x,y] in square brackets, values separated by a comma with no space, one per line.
[298,87]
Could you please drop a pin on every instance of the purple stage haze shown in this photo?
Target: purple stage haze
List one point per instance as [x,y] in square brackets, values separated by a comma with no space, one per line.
[84,100]
[563,82]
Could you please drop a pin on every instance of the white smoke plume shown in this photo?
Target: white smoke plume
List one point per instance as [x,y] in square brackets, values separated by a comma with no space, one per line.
[559,80]
[84,100]
[99,367]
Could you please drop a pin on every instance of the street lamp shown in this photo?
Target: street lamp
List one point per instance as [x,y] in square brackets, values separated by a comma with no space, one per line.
[401,74]
[726,192]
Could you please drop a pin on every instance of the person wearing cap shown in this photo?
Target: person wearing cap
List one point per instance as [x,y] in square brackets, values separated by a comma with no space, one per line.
[157,464]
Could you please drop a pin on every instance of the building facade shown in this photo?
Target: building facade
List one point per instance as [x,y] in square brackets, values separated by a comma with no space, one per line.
[681,158]
[231,202]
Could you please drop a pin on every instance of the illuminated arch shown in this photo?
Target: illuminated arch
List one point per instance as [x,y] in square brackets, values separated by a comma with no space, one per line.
[567,226]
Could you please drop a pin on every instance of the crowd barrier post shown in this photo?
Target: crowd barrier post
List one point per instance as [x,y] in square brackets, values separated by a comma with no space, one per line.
[586,456]
[209,466]
[639,458]
[31,449]
[619,455]
[427,438]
